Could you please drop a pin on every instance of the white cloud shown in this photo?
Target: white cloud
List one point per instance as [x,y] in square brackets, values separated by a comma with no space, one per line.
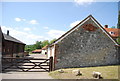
[46,28]
[24,19]
[18,19]
[33,22]
[28,38]
[74,23]
[83,2]
[30,22]
[55,33]
[27,29]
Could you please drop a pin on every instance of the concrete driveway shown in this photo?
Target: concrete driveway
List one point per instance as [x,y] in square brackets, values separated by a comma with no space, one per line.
[27,75]
[38,55]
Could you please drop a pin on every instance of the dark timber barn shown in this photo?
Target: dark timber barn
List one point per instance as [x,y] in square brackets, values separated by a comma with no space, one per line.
[10,46]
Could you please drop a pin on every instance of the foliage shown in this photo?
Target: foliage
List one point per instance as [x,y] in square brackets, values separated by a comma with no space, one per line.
[30,48]
[45,42]
[113,27]
[52,41]
[118,25]
[118,40]
[38,45]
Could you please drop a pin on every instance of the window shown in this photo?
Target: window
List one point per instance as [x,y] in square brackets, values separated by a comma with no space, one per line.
[4,49]
[112,32]
[17,48]
[8,49]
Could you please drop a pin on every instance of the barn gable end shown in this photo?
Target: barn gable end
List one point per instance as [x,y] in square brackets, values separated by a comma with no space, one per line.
[87,44]
[92,20]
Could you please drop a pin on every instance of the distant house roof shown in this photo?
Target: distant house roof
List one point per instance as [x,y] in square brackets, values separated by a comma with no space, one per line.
[114,32]
[10,38]
[37,50]
[45,47]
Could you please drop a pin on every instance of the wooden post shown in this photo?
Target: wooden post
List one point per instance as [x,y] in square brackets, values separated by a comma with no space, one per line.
[51,64]
[12,48]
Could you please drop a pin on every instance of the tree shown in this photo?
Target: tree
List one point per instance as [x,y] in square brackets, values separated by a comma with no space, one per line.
[52,40]
[118,40]
[38,45]
[118,25]
[45,42]
[113,27]
[29,48]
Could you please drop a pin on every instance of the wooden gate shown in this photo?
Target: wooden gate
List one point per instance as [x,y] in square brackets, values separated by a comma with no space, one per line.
[26,64]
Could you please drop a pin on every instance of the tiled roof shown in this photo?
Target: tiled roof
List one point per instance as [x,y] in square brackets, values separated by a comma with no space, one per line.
[10,38]
[114,32]
[37,50]
[45,47]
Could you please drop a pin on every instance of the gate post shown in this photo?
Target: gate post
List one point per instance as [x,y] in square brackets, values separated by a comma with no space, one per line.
[51,64]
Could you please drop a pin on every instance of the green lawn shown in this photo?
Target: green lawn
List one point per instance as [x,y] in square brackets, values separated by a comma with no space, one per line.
[108,72]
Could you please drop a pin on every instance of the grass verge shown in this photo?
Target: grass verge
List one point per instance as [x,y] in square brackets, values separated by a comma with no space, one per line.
[108,72]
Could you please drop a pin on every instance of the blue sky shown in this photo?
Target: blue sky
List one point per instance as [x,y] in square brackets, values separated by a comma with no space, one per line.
[35,21]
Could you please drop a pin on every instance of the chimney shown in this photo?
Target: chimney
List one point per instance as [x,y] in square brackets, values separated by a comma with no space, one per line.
[7,32]
[106,26]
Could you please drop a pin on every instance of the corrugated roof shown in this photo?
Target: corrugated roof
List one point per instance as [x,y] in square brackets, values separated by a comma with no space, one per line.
[10,38]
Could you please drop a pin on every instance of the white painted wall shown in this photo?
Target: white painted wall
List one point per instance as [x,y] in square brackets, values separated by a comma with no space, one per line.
[48,52]
[43,51]
[51,52]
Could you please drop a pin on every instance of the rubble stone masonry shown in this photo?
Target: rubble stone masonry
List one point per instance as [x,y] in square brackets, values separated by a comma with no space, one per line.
[85,48]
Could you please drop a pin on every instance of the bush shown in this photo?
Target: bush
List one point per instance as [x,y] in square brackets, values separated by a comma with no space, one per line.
[118,40]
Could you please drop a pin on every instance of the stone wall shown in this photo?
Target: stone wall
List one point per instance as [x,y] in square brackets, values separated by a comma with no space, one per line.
[84,48]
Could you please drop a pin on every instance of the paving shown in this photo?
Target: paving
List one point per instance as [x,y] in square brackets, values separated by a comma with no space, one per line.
[27,75]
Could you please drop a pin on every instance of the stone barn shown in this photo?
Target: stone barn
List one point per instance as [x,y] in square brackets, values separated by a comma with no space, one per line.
[85,45]
[10,46]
